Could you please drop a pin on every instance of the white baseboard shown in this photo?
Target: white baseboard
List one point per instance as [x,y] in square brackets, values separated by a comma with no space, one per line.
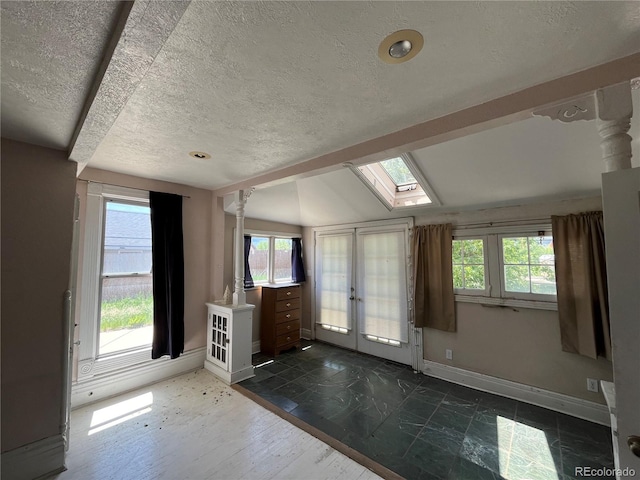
[38,459]
[255,347]
[116,383]
[306,334]
[229,377]
[558,402]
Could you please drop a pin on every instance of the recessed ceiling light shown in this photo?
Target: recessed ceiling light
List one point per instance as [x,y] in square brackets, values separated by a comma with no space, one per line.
[400,46]
[200,155]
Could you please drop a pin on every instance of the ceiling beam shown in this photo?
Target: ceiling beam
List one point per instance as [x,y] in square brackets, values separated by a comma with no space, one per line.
[501,111]
[142,30]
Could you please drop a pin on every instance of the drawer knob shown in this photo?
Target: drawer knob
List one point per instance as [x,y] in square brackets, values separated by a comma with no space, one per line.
[288,315]
[288,327]
[288,338]
[288,293]
[288,304]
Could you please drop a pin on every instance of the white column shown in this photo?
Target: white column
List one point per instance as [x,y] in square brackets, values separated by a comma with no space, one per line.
[239,295]
[615,144]
[612,109]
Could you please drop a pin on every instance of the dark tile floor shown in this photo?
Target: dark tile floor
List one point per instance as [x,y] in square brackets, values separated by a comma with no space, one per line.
[422,427]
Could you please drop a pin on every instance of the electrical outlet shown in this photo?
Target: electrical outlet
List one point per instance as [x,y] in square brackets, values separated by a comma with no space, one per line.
[449,354]
[592,385]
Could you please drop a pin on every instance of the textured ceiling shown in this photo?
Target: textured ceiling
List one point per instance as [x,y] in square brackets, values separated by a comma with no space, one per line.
[520,163]
[261,85]
[51,52]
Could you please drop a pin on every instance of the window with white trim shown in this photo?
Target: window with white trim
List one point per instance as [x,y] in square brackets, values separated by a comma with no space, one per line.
[270,257]
[527,265]
[469,266]
[397,182]
[116,281]
[505,266]
[126,281]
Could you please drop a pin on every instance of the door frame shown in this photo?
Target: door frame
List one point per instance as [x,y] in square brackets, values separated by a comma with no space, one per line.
[415,334]
[621,211]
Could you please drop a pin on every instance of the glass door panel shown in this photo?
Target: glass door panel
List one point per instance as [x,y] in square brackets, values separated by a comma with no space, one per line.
[334,283]
[382,306]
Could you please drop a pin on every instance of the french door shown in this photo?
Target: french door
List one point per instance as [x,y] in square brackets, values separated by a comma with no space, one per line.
[362,295]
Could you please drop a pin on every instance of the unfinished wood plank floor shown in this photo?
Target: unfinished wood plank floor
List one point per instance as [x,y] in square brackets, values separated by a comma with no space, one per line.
[195,427]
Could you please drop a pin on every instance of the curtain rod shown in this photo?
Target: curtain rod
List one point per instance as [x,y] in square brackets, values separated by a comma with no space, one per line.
[126,186]
[489,223]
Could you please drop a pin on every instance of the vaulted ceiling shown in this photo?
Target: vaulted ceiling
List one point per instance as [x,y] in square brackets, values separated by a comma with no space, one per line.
[134,87]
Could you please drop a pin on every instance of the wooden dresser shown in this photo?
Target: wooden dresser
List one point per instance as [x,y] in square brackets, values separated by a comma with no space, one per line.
[280,319]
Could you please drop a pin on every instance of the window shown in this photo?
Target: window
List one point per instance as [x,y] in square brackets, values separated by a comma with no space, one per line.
[270,258]
[505,266]
[259,259]
[282,260]
[126,283]
[397,182]
[117,301]
[528,265]
[468,265]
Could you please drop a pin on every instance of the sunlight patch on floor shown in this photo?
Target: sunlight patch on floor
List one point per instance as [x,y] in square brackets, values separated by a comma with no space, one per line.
[120,412]
[268,362]
[531,445]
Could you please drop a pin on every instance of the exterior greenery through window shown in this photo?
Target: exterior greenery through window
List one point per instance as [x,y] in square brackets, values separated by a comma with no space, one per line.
[126,280]
[398,171]
[505,264]
[529,265]
[468,264]
[270,259]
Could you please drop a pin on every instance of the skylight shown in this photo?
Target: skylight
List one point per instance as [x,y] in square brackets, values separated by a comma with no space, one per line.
[398,171]
[397,182]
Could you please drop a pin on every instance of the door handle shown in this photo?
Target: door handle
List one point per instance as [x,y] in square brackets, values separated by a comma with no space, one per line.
[351,297]
[634,444]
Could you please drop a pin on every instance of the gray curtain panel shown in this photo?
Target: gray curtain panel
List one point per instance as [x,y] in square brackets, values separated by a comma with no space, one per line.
[433,277]
[581,279]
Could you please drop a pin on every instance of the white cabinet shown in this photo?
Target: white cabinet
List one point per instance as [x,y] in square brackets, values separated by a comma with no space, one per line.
[229,342]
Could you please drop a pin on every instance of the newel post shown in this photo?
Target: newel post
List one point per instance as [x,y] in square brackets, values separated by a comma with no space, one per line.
[239,295]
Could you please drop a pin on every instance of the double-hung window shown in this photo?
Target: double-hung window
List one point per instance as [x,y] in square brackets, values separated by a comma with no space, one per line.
[270,257]
[126,282]
[505,266]
[116,308]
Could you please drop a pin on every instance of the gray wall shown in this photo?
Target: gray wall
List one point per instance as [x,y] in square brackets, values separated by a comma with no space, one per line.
[38,189]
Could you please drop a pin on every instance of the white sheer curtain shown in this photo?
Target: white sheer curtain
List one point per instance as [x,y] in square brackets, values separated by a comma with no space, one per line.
[334,281]
[383,285]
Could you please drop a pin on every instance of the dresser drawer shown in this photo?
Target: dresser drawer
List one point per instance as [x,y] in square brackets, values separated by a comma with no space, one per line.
[286,293]
[280,318]
[288,327]
[290,304]
[287,338]
[287,316]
